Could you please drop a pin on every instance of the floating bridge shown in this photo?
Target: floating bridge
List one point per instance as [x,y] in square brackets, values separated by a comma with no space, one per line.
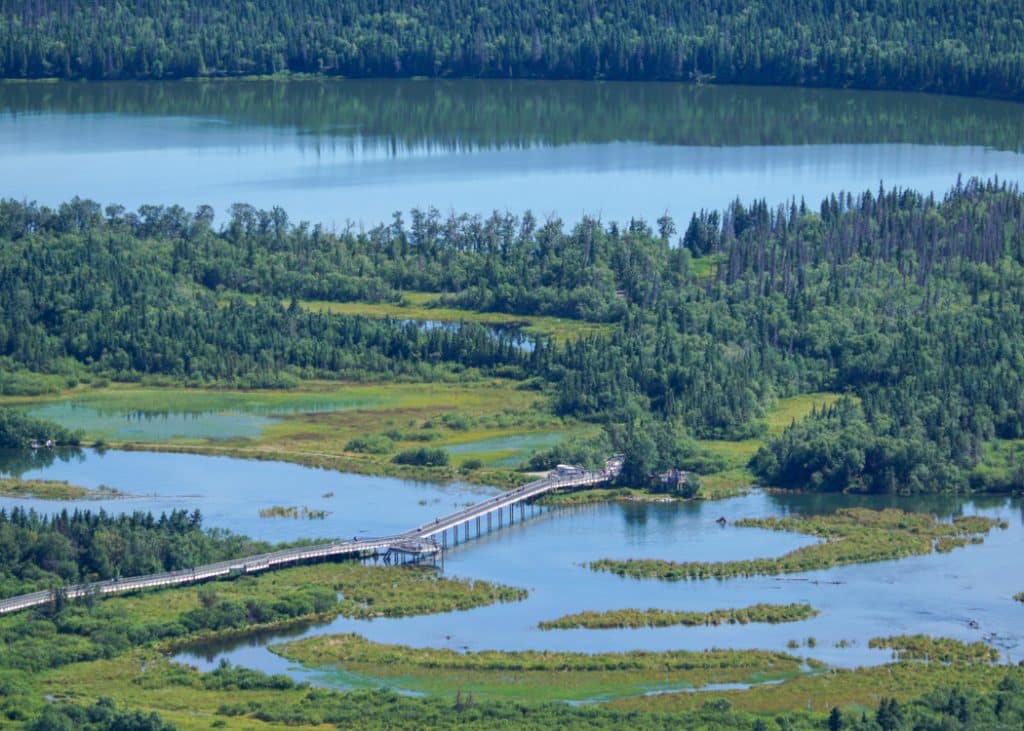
[413,545]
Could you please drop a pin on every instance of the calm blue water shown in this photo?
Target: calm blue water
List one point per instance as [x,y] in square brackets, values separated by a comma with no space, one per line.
[939,594]
[936,594]
[231,492]
[337,152]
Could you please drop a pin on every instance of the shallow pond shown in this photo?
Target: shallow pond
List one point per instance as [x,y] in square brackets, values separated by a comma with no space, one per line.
[334,151]
[182,415]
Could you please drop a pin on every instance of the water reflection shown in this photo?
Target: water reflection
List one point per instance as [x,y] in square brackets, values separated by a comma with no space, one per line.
[963,594]
[19,462]
[231,492]
[338,152]
[393,117]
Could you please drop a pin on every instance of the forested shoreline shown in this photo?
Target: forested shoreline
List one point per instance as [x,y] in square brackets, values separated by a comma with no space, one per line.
[941,46]
[908,304]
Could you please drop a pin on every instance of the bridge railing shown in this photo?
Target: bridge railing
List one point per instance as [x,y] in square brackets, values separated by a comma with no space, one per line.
[266,561]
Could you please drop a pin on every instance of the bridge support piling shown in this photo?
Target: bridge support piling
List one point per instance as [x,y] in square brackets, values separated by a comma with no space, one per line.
[478,526]
[488,522]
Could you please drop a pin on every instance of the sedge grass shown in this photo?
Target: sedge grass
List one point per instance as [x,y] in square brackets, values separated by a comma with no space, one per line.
[849,536]
[633,618]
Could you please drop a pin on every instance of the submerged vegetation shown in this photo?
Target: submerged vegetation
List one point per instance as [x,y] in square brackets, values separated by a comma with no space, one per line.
[850,535]
[293,511]
[618,618]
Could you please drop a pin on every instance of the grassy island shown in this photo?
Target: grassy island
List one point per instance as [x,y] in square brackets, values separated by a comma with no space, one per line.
[849,536]
[539,675]
[936,649]
[619,618]
[54,490]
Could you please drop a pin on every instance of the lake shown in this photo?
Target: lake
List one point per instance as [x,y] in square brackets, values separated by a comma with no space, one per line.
[338,151]
[353,152]
[939,594]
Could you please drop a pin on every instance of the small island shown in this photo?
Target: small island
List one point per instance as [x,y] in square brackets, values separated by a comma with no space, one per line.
[633,618]
[54,490]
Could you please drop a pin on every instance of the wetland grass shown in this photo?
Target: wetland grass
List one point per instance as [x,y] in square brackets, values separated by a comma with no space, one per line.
[533,675]
[633,618]
[293,511]
[54,490]
[936,649]
[849,536]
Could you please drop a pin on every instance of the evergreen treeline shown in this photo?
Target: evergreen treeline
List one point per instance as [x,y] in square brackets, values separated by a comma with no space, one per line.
[933,45]
[39,551]
[911,304]
[142,294]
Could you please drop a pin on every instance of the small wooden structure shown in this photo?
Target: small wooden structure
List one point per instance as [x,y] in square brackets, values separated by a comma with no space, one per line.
[673,479]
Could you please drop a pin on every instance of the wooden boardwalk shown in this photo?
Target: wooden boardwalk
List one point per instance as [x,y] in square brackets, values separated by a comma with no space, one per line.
[416,543]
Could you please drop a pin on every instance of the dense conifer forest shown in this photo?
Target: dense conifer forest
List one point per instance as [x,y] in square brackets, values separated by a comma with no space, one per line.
[945,46]
[909,304]
[40,551]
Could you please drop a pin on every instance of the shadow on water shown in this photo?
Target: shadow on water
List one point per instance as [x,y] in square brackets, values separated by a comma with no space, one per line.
[943,506]
[17,462]
[209,650]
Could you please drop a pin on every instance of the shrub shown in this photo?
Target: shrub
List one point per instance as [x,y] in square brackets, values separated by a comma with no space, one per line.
[423,457]
[373,444]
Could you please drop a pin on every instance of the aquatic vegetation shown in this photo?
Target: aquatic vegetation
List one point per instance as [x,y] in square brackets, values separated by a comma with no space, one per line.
[1019,597]
[54,490]
[850,535]
[293,511]
[936,649]
[538,675]
[618,618]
